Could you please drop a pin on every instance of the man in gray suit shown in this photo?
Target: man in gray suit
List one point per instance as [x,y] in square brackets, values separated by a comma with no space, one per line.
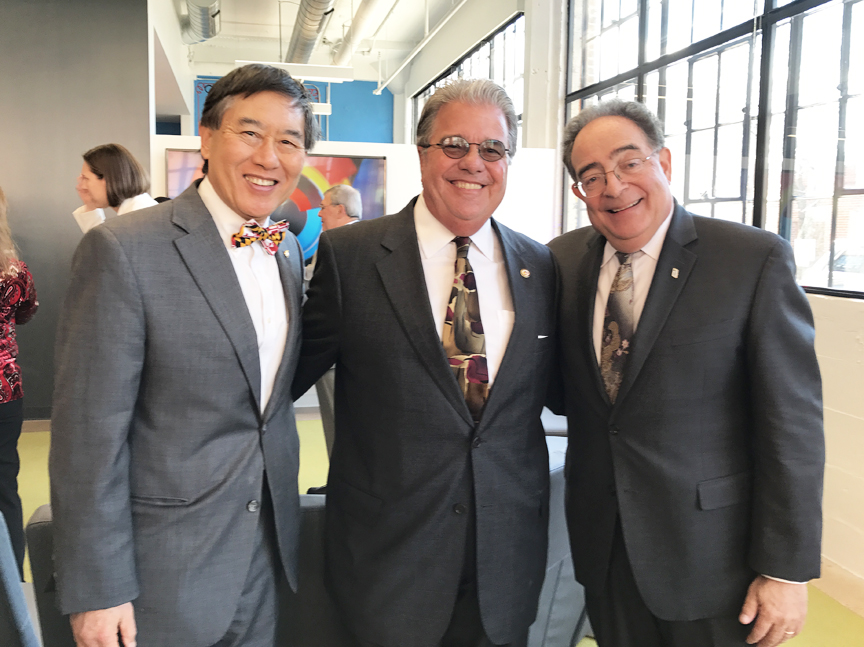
[437,498]
[693,397]
[174,451]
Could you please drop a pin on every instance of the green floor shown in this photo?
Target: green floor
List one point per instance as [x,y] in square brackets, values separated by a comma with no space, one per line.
[829,624]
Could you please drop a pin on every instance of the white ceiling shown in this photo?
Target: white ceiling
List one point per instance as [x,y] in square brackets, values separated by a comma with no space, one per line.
[251,31]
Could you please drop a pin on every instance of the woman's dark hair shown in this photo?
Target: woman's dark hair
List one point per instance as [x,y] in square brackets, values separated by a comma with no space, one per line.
[124,176]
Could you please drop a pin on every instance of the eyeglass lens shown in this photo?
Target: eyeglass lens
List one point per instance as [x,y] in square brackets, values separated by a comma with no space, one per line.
[592,184]
[490,150]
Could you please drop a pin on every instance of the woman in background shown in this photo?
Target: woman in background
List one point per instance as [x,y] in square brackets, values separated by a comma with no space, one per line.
[110,177]
[17,305]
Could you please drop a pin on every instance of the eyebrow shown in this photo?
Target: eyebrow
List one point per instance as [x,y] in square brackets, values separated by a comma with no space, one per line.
[617,151]
[248,121]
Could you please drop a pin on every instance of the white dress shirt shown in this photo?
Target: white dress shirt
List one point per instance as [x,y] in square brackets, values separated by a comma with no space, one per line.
[88,219]
[438,256]
[258,274]
[644,263]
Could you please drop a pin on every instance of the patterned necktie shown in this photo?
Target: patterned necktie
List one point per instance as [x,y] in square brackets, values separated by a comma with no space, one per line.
[617,327]
[463,339]
[269,237]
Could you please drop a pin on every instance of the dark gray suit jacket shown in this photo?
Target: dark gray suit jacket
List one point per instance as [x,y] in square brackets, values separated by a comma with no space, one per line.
[158,441]
[409,472]
[713,453]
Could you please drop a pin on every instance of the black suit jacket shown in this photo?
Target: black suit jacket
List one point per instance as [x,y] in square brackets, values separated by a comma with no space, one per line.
[410,474]
[713,453]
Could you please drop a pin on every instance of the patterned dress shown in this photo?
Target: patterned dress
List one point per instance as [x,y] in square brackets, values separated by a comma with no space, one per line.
[17,305]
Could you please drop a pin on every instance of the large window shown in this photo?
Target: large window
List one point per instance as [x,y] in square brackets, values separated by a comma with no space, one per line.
[500,58]
[757,99]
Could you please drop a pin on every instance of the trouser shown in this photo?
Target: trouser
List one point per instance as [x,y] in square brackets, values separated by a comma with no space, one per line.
[11,419]
[620,617]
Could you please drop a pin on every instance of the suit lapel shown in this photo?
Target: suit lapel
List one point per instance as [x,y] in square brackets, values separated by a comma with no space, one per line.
[524,304]
[665,288]
[404,282]
[291,275]
[204,254]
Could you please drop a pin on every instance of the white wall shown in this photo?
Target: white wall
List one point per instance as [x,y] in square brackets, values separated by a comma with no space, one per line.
[840,348]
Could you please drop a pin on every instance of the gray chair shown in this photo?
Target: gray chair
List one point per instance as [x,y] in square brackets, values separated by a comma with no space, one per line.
[56,631]
[16,628]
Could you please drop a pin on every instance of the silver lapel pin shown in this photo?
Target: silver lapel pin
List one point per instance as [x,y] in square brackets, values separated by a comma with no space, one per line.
[286,254]
[674,272]
[524,273]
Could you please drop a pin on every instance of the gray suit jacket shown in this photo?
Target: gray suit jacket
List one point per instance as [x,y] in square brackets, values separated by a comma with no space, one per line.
[158,440]
[712,455]
[410,475]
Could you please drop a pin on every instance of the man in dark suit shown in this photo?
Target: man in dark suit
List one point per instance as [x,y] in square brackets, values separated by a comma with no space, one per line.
[693,397]
[438,320]
[174,451]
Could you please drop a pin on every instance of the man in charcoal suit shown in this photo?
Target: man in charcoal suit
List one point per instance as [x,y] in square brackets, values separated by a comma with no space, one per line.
[174,451]
[438,320]
[693,397]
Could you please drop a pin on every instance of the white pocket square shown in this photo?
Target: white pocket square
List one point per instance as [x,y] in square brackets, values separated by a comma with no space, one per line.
[542,336]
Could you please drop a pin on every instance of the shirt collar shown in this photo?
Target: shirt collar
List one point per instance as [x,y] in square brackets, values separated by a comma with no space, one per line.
[433,237]
[652,248]
[228,221]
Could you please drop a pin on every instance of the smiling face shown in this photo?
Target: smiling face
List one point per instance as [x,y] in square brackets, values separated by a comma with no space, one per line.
[463,193]
[256,156]
[626,213]
[91,189]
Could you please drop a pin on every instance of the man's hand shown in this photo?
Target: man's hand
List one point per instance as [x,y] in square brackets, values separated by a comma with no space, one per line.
[99,628]
[779,609]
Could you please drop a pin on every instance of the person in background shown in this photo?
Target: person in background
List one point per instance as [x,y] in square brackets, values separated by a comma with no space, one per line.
[110,177]
[341,205]
[17,305]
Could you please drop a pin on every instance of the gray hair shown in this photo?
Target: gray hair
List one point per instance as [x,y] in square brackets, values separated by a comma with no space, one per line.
[475,92]
[348,197]
[636,112]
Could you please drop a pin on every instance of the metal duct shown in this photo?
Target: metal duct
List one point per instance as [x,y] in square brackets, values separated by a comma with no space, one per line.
[361,27]
[311,18]
[204,21]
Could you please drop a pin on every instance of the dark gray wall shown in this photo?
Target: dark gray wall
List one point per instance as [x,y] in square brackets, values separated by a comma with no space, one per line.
[73,74]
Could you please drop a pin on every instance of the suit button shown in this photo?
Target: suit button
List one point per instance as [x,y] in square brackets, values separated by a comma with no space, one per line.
[253,506]
[613,429]
[263,429]
[460,508]
[476,442]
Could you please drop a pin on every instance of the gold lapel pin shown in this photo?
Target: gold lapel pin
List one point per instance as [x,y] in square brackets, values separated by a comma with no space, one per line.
[286,254]
[524,273]
[674,272]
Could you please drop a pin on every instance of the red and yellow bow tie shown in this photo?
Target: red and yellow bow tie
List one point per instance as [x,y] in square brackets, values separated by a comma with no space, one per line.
[269,237]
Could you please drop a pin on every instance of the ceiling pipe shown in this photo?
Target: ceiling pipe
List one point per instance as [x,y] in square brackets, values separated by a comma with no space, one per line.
[361,28]
[202,22]
[419,47]
[312,16]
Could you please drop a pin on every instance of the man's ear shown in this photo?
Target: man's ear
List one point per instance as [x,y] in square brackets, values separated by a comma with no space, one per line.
[665,158]
[205,134]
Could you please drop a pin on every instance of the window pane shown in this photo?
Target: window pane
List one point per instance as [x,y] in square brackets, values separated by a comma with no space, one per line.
[610,12]
[706,19]
[731,211]
[680,25]
[816,151]
[780,67]
[853,177]
[811,240]
[701,165]
[737,11]
[676,98]
[734,69]
[848,266]
[730,163]
[653,47]
[652,80]
[677,146]
[820,56]
[704,92]
[856,54]
[628,45]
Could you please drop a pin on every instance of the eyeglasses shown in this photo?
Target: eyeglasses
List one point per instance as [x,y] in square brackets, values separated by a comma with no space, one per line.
[593,183]
[456,148]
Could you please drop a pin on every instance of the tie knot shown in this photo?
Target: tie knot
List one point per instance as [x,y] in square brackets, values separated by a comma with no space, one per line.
[462,245]
[623,258]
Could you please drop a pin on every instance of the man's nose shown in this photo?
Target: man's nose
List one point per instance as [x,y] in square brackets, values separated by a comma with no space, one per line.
[265,154]
[472,160]
[614,184]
